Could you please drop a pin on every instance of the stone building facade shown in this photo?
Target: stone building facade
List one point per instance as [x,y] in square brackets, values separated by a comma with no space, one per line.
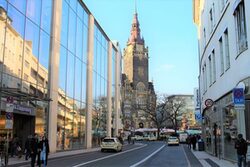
[136,90]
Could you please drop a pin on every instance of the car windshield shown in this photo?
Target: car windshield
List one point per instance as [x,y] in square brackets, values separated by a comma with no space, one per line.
[108,140]
[173,138]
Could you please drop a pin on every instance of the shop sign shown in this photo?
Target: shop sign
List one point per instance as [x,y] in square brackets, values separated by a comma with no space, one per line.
[196,98]
[238,97]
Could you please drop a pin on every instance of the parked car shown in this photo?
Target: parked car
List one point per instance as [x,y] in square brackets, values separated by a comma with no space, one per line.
[111,143]
[173,140]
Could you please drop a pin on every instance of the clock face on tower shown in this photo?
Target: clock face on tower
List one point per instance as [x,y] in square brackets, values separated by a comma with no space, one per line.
[140,71]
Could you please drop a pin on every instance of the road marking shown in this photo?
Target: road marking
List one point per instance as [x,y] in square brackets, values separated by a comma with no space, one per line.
[109,156]
[189,165]
[145,159]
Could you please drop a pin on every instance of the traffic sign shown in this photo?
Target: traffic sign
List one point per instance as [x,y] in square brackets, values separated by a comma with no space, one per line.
[8,124]
[238,96]
[10,99]
[9,107]
[9,115]
[209,103]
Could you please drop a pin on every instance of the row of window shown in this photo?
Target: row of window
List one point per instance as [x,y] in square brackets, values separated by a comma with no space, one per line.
[240,23]
[209,71]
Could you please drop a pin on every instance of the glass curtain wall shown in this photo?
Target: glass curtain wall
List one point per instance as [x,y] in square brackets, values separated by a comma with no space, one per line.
[25,40]
[72,76]
[113,87]
[100,66]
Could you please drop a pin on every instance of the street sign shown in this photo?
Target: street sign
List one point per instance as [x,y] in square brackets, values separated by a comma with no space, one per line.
[209,103]
[9,116]
[10,99]
[9,107]
[8,124]
[238,97]
[198,116]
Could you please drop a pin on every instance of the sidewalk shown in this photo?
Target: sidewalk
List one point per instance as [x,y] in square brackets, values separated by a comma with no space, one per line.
[208,160]
[14,161]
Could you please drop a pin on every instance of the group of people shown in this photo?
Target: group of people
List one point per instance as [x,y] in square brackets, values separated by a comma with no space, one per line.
[192,140]
[36,148]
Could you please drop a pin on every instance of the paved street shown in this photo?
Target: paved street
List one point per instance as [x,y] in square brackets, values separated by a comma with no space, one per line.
[141,154]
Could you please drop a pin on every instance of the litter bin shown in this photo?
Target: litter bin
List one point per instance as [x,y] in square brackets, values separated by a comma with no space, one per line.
[201,145]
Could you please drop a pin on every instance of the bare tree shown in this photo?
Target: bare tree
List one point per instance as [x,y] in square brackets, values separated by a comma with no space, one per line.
[155,112]
[173,106]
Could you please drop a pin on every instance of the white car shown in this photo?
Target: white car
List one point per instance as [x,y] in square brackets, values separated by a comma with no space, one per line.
[111,143]
[172,140]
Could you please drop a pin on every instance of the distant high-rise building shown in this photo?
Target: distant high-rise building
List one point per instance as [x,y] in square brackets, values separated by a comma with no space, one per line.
[136,90]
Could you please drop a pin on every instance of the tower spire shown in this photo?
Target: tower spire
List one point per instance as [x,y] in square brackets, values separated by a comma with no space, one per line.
[135,7]
[135,36]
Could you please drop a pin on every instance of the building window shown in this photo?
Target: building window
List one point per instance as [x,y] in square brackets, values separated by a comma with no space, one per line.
[211,17]
[26,77]
[27,64]
[214,66]
[221,56]
[227,55]
[204,36]
[210,70]
[204,71]
[240,23]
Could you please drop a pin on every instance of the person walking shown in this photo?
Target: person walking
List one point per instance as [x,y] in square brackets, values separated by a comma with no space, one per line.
[194,141]
[33,150]
[241,147]
[188,141]
[44,147]
[27,147]
[129,139]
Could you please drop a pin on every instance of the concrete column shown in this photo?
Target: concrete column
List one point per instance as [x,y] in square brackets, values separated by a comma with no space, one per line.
[53,73]
[109,89]
[89,82]
[117,90]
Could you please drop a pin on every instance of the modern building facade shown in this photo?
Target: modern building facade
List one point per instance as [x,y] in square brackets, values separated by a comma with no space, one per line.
[223,35]
[137,91]
[62,72]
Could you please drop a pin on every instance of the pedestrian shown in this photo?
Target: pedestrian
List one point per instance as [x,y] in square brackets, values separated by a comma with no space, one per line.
[44,147]
[13,146]
[33,150]
[27,147]
[129,139]
[194,141]
[241,146]
[188,141]
[120,139]
[38,162]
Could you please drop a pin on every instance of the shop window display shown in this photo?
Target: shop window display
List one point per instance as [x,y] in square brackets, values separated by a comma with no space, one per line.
[230,131]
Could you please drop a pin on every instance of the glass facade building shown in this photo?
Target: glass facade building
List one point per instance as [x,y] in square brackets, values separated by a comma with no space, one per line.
[54,64]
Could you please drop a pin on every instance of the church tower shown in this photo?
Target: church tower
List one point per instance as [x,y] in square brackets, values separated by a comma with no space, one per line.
[136,57]
[137,91]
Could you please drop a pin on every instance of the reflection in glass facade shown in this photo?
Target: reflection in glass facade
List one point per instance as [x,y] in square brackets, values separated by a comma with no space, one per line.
[24,62]
[100,65]
[26,38]
[72,76]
